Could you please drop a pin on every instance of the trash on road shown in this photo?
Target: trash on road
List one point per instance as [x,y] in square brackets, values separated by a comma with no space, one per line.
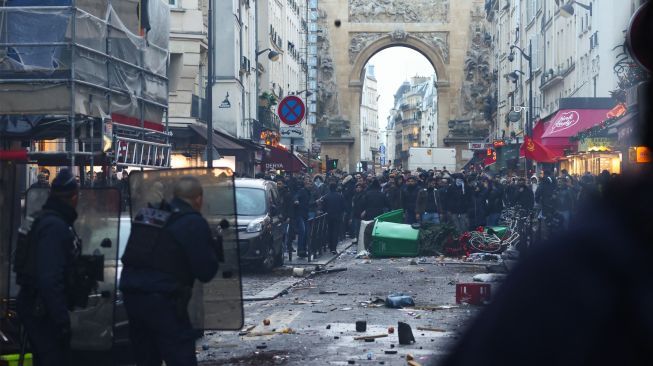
[298,272]
[363,254]
[391,330]
[361,326]
[438,307]
[399,300]
[370,337]
[489,277]
[429,329]
[306,302]
[266,322]
[330,270]
[478,257]
[376,303]
[405,334]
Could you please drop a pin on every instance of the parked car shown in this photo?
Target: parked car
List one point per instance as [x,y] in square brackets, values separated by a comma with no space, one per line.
[260,228]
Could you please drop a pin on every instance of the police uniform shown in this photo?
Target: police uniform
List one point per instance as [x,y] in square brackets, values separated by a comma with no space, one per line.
[160,265]
[45,295]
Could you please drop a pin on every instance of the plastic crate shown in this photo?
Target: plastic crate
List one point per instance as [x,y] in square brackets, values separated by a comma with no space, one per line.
[473,293]
[390,239]
[12,360]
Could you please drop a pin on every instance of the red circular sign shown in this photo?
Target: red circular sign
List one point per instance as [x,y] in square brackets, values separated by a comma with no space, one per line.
[291,110]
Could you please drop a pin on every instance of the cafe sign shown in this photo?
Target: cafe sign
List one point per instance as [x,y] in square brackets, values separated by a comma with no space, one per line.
[596,144]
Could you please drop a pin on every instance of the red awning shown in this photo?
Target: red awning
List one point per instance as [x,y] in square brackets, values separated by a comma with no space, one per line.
[569,122]
[280,158]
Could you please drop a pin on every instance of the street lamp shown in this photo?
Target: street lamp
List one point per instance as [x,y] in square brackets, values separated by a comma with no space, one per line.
[567,10]
[529,120]
[272,55]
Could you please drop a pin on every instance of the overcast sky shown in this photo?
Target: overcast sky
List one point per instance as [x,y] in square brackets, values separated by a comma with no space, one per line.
[392,67]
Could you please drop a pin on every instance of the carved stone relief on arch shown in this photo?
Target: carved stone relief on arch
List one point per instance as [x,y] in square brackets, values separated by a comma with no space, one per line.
[399,11]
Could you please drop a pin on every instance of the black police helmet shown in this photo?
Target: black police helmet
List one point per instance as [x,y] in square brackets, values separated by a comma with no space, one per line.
[64,182]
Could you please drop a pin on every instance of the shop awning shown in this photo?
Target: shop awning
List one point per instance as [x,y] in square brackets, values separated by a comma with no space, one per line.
[220,141]
[281,159]
[568,122]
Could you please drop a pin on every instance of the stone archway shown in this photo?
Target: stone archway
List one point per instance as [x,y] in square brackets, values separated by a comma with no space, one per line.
[355,30]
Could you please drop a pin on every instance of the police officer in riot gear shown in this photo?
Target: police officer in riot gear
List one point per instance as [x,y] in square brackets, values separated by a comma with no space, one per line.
[44,263]
[169,247]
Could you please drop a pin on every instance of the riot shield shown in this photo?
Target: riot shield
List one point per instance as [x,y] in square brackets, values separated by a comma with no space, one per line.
[216,305]
[97,225]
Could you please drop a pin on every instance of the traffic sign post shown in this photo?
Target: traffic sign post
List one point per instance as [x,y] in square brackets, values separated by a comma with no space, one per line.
[291,111]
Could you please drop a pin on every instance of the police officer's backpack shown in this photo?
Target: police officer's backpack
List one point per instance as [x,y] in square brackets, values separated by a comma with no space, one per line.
[151,246]
[24,256]
[81,278]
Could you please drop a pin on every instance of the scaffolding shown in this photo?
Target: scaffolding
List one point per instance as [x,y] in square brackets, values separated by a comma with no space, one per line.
[90,73]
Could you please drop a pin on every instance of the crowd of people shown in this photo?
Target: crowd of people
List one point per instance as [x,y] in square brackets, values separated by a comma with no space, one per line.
[465,200]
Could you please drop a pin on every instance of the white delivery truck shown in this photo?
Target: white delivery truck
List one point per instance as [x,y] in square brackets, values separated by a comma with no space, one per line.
[431,157]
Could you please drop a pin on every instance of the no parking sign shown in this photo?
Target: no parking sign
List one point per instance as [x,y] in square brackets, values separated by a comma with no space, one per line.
[291,110]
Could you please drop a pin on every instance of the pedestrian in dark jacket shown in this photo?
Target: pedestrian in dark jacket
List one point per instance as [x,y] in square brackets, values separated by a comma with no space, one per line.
[458,204]
[544,195]
[334,206]
[524,197]
[494,202]
[357,208]
[43,303]
[301,198]
[478,210]
[409,200]
[428,203]
[374,203]
[564,201]
[393,194]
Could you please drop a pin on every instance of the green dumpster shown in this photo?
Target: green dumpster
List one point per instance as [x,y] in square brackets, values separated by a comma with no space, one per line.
[499,231]
[390,239]
[396,216]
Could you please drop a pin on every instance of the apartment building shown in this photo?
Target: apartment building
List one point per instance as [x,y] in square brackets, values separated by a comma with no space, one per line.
[369,123]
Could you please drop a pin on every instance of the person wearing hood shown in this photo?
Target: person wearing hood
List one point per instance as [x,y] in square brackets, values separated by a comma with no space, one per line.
[458,203]
[409,200]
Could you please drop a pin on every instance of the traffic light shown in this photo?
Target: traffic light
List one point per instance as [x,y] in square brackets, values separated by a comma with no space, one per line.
[332,164]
